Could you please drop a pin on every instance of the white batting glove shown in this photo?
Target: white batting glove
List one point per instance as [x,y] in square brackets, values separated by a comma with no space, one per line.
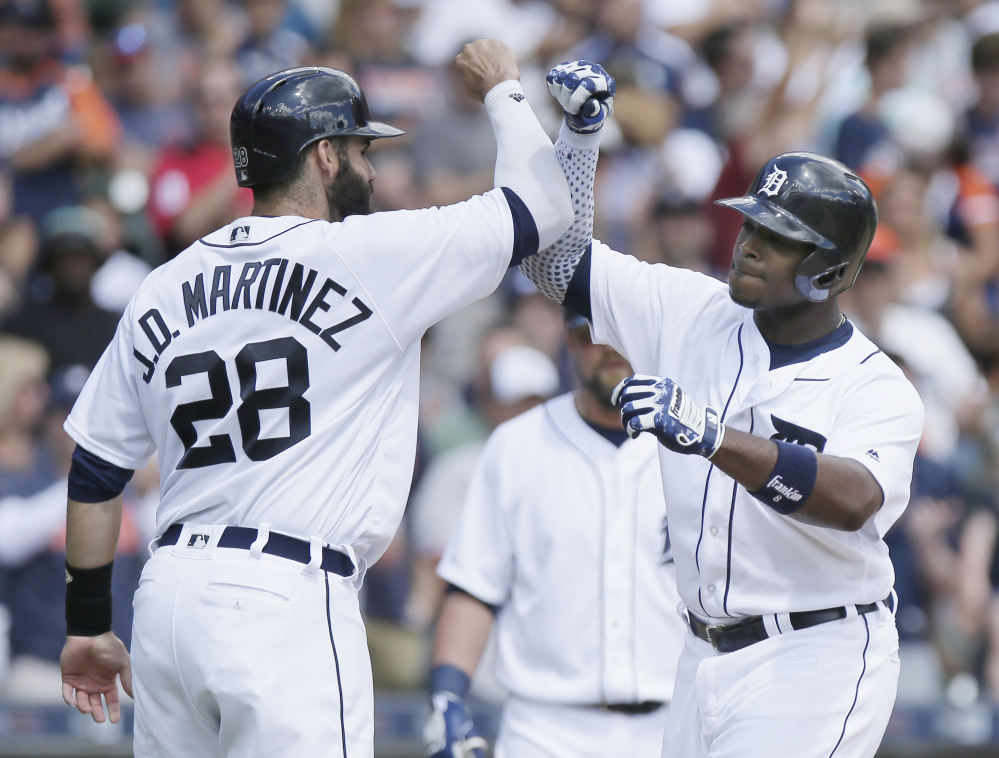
[659,406]
[586,93]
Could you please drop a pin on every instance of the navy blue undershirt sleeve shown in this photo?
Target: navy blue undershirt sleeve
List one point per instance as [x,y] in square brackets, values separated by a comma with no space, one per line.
[577,294]
[451,588]
[525,230]
[93,480]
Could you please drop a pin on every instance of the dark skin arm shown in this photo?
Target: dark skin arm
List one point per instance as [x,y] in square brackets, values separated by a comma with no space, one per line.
[845,496]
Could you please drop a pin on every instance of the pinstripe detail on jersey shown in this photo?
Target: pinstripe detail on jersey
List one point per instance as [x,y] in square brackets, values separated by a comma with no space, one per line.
[731,521]
[869,357]
[856,692]
[707,479]
[336,660]
[252,244]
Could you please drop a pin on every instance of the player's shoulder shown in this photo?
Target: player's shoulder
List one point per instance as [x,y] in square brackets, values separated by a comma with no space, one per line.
[523,428]
[869,369]
[687,282]
[254,231]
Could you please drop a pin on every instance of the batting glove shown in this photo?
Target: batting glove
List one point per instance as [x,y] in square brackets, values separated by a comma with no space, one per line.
[449,731]
[659,406]
[586,93]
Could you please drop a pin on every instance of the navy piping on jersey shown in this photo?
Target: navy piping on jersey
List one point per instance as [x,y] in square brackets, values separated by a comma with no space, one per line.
[577,294]
[616,437]
[707,479]
[525,230]
[731,523]
[777,620]
[787,355]
[252,244]
[801,379]
[336,660]
[869,357]
[856,692]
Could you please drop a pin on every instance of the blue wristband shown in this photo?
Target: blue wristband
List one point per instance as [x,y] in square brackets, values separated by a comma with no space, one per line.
[792,480]
[449,678]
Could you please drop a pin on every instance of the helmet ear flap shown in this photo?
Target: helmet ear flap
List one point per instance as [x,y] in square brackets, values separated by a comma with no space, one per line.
[818,281]
[830,278]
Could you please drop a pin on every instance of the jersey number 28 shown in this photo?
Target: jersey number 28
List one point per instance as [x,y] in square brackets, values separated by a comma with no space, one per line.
[220,449]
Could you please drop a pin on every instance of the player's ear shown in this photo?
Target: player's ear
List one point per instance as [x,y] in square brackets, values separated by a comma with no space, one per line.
[327,159]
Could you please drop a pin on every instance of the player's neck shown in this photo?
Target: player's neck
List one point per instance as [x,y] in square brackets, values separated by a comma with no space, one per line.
[306,204]
[597,414]
[800,323]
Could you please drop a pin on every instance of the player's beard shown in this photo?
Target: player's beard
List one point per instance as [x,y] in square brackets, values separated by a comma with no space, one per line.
[349,194]
[602,381]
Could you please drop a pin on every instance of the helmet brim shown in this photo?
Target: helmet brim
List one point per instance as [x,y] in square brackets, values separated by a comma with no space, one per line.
[776,220]
[373,129]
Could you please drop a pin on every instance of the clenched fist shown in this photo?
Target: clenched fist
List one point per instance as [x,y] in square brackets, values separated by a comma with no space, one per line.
[485,63]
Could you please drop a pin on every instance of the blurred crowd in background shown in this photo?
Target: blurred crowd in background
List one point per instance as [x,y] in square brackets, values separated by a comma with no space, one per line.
[115,156]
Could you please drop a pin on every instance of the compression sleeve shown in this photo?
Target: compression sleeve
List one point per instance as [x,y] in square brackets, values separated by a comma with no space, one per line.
[93,479]
[554,267]
[526,164]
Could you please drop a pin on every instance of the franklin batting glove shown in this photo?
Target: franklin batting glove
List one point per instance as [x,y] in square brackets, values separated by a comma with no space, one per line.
[659,406]
[449,731]
[586,93]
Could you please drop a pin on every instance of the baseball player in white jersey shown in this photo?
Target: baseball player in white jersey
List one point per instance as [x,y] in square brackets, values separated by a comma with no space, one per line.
[563,537]
[786,446]
[273,367]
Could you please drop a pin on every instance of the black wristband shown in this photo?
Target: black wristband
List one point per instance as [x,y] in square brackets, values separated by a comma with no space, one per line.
[792,480]
[88,600]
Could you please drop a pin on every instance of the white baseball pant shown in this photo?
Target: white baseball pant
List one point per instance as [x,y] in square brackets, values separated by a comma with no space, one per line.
[246,656]
[531,729]
[822,692]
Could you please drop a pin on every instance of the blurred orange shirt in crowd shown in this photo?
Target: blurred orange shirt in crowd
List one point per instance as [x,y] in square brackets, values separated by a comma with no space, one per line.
[181,174]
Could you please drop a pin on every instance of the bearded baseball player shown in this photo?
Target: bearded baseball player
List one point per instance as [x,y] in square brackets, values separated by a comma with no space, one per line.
[786,448]
[563,541]
[273,367]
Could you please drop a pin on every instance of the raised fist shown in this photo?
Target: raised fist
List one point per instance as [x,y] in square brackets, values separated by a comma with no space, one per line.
[659,406]
[586,93]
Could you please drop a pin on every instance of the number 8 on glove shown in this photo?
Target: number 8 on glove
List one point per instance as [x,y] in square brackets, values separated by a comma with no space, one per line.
[659,406]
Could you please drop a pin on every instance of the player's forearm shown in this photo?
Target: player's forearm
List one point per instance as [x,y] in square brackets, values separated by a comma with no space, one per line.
[845,494]
[526,162]
[462,632]
[552,268]
[92,532]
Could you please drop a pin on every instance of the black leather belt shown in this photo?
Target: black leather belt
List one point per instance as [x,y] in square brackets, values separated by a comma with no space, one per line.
[278,544]
[633,709]
[728,638]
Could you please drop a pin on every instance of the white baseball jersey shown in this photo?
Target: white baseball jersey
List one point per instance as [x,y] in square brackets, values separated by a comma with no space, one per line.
[567,532]
[734,555]
[274,366]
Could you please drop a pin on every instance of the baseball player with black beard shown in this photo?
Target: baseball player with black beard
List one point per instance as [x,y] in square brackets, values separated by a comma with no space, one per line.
[563,540]
[786,447]
[273,367]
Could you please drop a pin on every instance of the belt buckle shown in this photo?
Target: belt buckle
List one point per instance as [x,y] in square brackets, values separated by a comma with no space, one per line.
[709,628]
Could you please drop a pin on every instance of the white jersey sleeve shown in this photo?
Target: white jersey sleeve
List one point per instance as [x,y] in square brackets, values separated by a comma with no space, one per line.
[107,419]
[479,556]
[420,266]
[636,306]
[879,427]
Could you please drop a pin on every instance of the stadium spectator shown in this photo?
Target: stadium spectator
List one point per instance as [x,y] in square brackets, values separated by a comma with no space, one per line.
[53,118]
[59,312]
[268,46]
[193,184]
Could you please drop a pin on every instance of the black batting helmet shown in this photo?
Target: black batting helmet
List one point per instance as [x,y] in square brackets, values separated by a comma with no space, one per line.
[285,112]
[814,199]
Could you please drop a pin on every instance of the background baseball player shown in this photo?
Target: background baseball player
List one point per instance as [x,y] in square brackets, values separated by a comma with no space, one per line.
[786,455]
[273,367]
[563,540]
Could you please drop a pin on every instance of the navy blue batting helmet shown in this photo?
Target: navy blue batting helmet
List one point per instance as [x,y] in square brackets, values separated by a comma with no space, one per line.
[814,199]
[287,111]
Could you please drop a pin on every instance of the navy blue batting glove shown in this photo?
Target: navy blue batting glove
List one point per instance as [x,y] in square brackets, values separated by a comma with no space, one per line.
[586,93]
[659,406]
[449,731]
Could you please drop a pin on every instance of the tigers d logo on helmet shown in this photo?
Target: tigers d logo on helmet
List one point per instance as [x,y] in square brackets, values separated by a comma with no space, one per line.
[774,181]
